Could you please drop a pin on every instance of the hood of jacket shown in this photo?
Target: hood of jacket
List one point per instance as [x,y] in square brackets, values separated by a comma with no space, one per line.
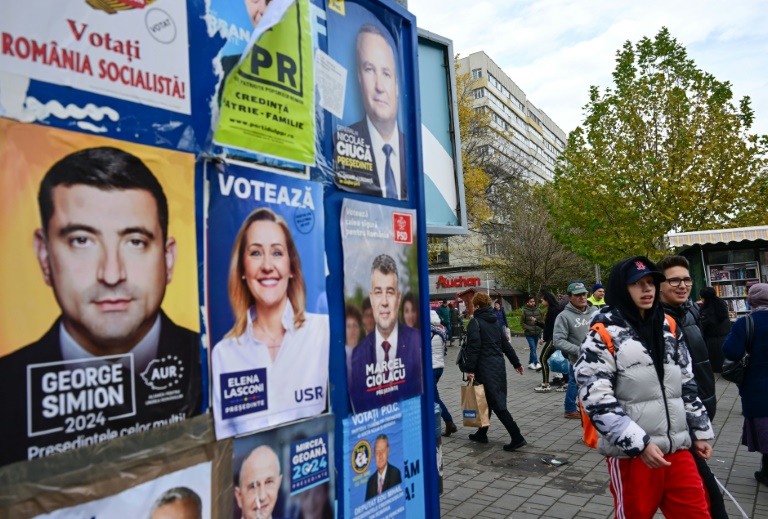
[486,313]
[649,327]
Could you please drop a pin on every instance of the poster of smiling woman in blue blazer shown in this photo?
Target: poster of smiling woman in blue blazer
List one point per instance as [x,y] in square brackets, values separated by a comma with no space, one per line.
[266,299]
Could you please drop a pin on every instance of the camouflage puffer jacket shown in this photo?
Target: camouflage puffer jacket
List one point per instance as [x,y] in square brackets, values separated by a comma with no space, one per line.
[628,402]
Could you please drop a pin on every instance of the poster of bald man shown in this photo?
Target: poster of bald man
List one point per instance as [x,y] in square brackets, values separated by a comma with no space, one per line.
[97,340]
[285,473]
[381,266]
[370,152]
[184,494]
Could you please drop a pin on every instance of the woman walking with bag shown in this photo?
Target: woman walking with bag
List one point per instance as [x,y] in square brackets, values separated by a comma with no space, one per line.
[754,405]
[486,346]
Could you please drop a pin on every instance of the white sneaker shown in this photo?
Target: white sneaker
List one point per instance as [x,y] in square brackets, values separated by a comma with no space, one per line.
[538,367]
[532,366]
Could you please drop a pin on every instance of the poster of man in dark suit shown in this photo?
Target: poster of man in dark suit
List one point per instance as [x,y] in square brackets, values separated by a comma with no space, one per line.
[113,363]
[386,476]
[386,365]
[370,155]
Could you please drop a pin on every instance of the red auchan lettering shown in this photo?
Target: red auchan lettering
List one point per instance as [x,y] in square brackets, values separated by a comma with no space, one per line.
[458,282]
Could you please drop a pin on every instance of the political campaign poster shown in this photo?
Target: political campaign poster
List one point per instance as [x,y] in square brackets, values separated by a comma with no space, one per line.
[370,138]
[98,338]
[184,493]
[383,472]
[267,99]
[381,287]
[267,306]
[136,50]
[286,472]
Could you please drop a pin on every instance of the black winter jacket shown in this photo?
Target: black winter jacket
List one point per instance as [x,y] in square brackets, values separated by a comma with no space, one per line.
[687,317]
[549,324]
[715,326]
[486,346]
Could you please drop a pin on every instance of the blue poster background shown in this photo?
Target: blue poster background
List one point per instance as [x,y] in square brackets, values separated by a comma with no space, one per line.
[227,213]
[342,43]
[397,421]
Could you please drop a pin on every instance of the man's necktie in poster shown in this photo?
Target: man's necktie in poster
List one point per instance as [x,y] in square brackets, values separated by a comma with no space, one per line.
[369,148]
[380,280]
[267,306]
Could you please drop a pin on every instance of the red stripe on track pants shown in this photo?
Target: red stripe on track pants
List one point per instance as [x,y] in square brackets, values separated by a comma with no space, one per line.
[639,491]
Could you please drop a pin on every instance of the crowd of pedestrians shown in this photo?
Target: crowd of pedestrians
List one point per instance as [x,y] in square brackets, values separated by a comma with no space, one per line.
[642,357]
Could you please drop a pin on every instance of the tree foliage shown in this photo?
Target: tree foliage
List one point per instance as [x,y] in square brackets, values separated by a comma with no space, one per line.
[664,149]
[527,256]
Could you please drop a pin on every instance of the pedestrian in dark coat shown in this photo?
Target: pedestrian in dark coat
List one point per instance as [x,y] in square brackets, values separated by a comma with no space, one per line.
[715,325]
[486,345]
[754,405]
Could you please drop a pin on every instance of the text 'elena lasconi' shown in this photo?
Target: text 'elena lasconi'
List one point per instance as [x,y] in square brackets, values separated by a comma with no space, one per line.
[265,192]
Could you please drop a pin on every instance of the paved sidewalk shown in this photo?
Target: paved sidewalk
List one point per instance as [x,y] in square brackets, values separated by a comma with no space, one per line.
[483,481]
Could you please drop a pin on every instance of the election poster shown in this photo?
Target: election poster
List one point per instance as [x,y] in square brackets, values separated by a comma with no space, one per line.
[370,138]
[381,293]
[286,472]
[382,471]
[267,305]
[267,99]
[184,493]
[136,50]
[99,318]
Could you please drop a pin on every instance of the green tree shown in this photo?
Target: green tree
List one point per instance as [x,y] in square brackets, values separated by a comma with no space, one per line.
[524,254]
[664,149]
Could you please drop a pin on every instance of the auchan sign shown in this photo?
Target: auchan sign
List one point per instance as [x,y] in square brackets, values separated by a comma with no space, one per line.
[459,282]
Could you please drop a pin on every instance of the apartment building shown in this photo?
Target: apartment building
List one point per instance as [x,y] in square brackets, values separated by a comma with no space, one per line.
[533,135]
[533,132]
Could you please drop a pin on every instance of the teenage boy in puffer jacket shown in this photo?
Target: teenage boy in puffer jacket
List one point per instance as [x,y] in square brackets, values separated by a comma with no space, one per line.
[642,400]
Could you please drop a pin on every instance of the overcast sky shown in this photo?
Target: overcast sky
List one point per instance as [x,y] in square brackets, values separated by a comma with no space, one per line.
[555,49]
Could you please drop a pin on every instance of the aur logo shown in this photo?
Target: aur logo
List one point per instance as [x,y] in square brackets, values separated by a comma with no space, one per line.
[403,225]
[361,456]
[113,6]
[163,373]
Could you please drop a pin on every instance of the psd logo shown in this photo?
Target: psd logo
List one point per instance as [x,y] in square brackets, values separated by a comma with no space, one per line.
[361,456]
[403,225]
[163,373]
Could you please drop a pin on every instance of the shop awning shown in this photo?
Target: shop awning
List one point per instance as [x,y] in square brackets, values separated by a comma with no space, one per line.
[679,239]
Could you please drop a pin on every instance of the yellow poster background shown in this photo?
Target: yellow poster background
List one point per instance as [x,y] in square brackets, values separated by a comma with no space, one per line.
[27,305]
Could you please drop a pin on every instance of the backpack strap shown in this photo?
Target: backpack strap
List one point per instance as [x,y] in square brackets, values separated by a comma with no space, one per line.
[590,435]
[602,331]
[672,324]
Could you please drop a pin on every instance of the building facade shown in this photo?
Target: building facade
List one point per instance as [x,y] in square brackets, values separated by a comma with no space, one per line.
[532,135]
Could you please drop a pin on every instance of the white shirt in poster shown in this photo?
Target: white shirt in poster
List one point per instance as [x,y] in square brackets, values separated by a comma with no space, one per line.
[292,381]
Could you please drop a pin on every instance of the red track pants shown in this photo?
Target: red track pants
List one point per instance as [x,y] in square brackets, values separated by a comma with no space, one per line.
[639,491]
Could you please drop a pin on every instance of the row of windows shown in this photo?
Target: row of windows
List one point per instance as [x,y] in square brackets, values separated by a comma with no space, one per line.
[500,106]
[551,148]
[495,83]
[477,73]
